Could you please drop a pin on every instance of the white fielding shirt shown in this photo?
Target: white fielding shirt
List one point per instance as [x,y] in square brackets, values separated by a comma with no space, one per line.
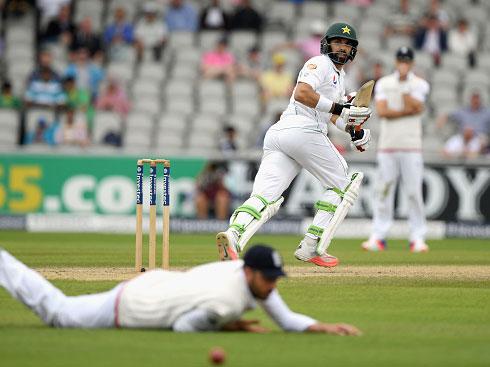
[202,299]
[404,133]
[325,79]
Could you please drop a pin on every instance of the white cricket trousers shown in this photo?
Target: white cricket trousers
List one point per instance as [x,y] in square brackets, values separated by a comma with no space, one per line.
[408,166]
[286,151]
[50,304]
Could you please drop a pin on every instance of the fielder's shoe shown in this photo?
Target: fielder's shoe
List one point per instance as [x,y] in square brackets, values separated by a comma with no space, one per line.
[418,246]
[374,245]
[227,245]
[306,252]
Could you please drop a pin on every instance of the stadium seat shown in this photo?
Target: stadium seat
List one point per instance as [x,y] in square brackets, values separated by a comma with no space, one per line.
[209,123]
[9,127]
[240,40]
[179,105]
[247,106]
[189,56]
[105,122]
[245,88]
[211,88]
[178,89]
[146,104]
[169,140]
[120,71]
[200,140]
[271,39]
[185,72]
[151,71]
[33,115]
[212,105]
[281,13]
[146,86]
[181,39]
[172,123]
[314,9]
[208,39]
[445,78]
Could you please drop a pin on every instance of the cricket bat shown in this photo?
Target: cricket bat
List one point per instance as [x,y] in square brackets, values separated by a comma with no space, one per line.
[363,96]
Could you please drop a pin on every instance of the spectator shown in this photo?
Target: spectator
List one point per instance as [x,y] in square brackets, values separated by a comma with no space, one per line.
[253,65]
[228,142]
[7,99]
[211,193]
[45,90]
[246,17]
[214,17]
[50,8]
[44,133]
[437,11]
[113,98]
[150,32]
[431,37]
[74,130]
[462,41]
[277,82]
[264,126]
[45,62]
[85,37]
[181,16]
[61,28]
[402,20]
[475,116]
[119,36]
[87,74]
[219,62]
[79,99]
[465,144]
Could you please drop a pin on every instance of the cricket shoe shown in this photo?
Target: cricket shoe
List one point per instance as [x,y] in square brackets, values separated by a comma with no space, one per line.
[306,252]
[418,246]
[374,245]
[227,245]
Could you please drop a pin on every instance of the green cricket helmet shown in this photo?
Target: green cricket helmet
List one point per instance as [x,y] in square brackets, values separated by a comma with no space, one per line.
[339,30]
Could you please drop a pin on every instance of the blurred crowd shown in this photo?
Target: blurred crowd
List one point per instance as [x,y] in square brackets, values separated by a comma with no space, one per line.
[76,91]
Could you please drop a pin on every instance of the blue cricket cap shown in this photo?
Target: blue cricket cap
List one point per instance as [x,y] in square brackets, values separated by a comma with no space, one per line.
[266,260]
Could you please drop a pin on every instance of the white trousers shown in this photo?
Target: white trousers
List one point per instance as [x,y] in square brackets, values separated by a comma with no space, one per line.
[409,167]
[50,304]
[286,151]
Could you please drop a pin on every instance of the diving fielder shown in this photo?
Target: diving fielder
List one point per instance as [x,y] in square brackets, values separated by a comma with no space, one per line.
[400,99]
[209,297]
[299,140]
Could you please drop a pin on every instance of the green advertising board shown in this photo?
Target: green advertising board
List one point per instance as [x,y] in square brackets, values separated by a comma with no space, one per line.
[78,184]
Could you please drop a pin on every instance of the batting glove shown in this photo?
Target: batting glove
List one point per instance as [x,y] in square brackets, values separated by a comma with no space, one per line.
[360,139]
[355,116]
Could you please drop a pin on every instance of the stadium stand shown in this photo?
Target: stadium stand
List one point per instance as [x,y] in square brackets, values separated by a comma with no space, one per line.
[173,106]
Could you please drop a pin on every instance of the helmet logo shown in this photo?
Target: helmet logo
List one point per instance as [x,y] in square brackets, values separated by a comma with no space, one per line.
[345,30]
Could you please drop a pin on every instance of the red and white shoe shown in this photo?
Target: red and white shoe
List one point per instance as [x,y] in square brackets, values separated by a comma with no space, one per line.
[374,245]
[306,252]
[418,246]
[226,243]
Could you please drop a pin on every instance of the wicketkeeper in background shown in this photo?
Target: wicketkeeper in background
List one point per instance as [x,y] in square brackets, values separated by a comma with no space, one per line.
[299,140]
[400,99]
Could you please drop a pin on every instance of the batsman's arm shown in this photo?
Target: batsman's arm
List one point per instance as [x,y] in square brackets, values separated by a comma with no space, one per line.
[306,95]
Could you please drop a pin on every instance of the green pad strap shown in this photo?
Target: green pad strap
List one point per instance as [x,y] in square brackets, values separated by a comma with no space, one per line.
[239,227]
[250,210]
[316,231]
[326,207]
[265,202]
[338,191]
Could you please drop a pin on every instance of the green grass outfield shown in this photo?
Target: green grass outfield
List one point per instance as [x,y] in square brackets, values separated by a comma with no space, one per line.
[414,309]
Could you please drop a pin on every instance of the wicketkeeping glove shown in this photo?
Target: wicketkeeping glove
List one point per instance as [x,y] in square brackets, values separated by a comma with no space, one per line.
[360,139]
[355,116]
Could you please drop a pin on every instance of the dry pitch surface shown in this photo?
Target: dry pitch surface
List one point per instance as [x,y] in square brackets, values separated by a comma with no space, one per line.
[453,272]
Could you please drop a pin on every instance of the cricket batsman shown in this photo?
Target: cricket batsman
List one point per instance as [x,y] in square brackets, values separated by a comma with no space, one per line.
[299,140]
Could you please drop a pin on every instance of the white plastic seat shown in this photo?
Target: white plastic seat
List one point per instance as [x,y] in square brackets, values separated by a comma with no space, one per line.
[240,40]
[148,105]
[213,106]
[208,39]
[271,39]
[314,9]
[120,71]
[177,89]
[198,140]
[146,87]
[9,126]
[105,122]
[180,105]
[181,39]
[247,106]
[245,88]
[206,123]
[151,71]
[211,88]
[282,13]
[444,77]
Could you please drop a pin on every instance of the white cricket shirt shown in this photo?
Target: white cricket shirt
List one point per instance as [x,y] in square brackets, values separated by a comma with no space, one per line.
[201,299]
[404,133]
[325,79]
[157,298]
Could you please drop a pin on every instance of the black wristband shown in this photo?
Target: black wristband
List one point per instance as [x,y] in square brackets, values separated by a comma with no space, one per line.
[336,109]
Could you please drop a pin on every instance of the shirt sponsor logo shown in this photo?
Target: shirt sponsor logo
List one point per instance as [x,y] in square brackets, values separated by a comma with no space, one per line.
[311,66]
[334,79]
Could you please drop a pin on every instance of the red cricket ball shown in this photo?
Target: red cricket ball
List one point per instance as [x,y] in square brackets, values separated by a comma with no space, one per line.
[217,355]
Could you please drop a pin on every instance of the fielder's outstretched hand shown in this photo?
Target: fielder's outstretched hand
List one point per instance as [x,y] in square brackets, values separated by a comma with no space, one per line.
[251,326]
[334,329]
